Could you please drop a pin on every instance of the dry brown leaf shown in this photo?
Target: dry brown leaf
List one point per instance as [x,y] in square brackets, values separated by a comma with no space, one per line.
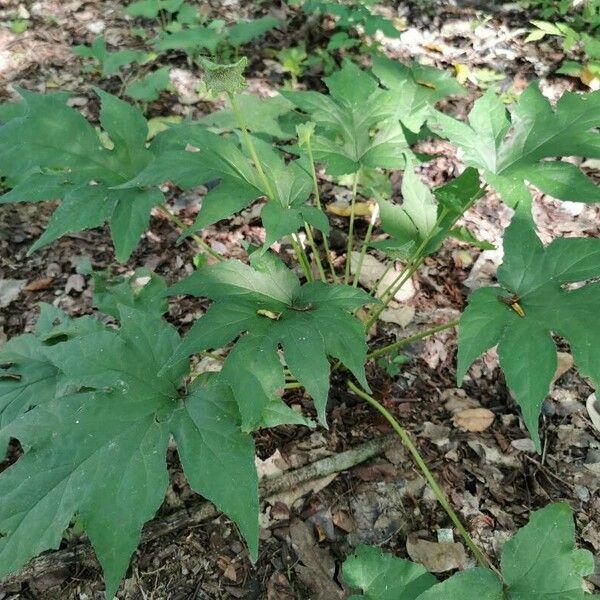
[436,558]
[38,285]
[474,419]
[361,209]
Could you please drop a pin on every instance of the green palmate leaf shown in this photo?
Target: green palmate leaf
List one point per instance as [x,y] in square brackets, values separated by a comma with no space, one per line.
[192,40]
[355,123]
[265,113]
[27,377]
[266,302]
[190,155]
[421,223]
[149,87]
[110,62]
[97,448]
[384,577]
[54,153]
[149,9]
[534,278]
[418,88]
[540,562]
[512,151]
[291,185]
[246,31]
[11,110]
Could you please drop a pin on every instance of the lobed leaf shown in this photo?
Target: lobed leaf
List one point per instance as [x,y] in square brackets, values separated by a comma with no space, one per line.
[534,277]
[267,303]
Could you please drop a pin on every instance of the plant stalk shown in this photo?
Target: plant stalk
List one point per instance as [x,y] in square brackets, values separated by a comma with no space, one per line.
[315,251]
[351,228]
[298,249]
[483,560]
[317,194]
[365,245]
[410,339]
[179,223]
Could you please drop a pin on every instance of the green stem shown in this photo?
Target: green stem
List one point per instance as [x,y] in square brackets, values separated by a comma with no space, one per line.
[404,276]
[302,258]
[315,251]
[298,249]
[373,291]
[410,339]
[483,560]
[250,144]
[179,223]
[365,245]
[351,228]
[317,194]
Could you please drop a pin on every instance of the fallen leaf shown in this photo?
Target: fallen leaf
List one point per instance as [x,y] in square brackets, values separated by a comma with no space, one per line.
[361,209]
[462,72]
[10,290]
[37,285]
[313,486]
[344,521]
[565,362]
[271,466]
[593,409]
[474,419]
[436,557]
[316,567]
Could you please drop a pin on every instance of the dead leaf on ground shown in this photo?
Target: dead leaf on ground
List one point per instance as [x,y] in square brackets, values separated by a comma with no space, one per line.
[37,285]
[10,290]
[435,557]
[271,466]
[474,419]
[316,567]
[593,409]
[313,486]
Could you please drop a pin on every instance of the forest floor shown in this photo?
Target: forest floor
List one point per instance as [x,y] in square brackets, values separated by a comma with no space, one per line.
[493,477]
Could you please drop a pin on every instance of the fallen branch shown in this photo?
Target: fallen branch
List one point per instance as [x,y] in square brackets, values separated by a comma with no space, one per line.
[83,553]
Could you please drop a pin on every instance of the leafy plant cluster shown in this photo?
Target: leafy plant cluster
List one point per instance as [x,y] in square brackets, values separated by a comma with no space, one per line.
[93,405]
[540,561]
[576,24]
[181,27]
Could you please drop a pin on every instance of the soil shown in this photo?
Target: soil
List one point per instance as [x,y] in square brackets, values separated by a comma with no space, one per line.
[493,477]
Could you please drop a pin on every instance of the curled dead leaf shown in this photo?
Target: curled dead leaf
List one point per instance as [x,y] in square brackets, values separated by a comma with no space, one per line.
[474,419]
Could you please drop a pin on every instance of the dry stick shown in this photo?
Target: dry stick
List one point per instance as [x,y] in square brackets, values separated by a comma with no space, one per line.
[179,223]
[298,249]
[351,228]
[410,339]
[482,559]
[203,511]
[317,194]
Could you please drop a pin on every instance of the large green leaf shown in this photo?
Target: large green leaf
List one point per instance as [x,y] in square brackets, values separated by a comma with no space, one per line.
[534,278]
[265,113]
[190,155]
[512,151]
[355,123]
[384,577]
[541,562]
[266,302]
[97,445]
[418,88]
[54,153]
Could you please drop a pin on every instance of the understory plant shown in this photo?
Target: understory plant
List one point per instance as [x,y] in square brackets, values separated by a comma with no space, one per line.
[94,402]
